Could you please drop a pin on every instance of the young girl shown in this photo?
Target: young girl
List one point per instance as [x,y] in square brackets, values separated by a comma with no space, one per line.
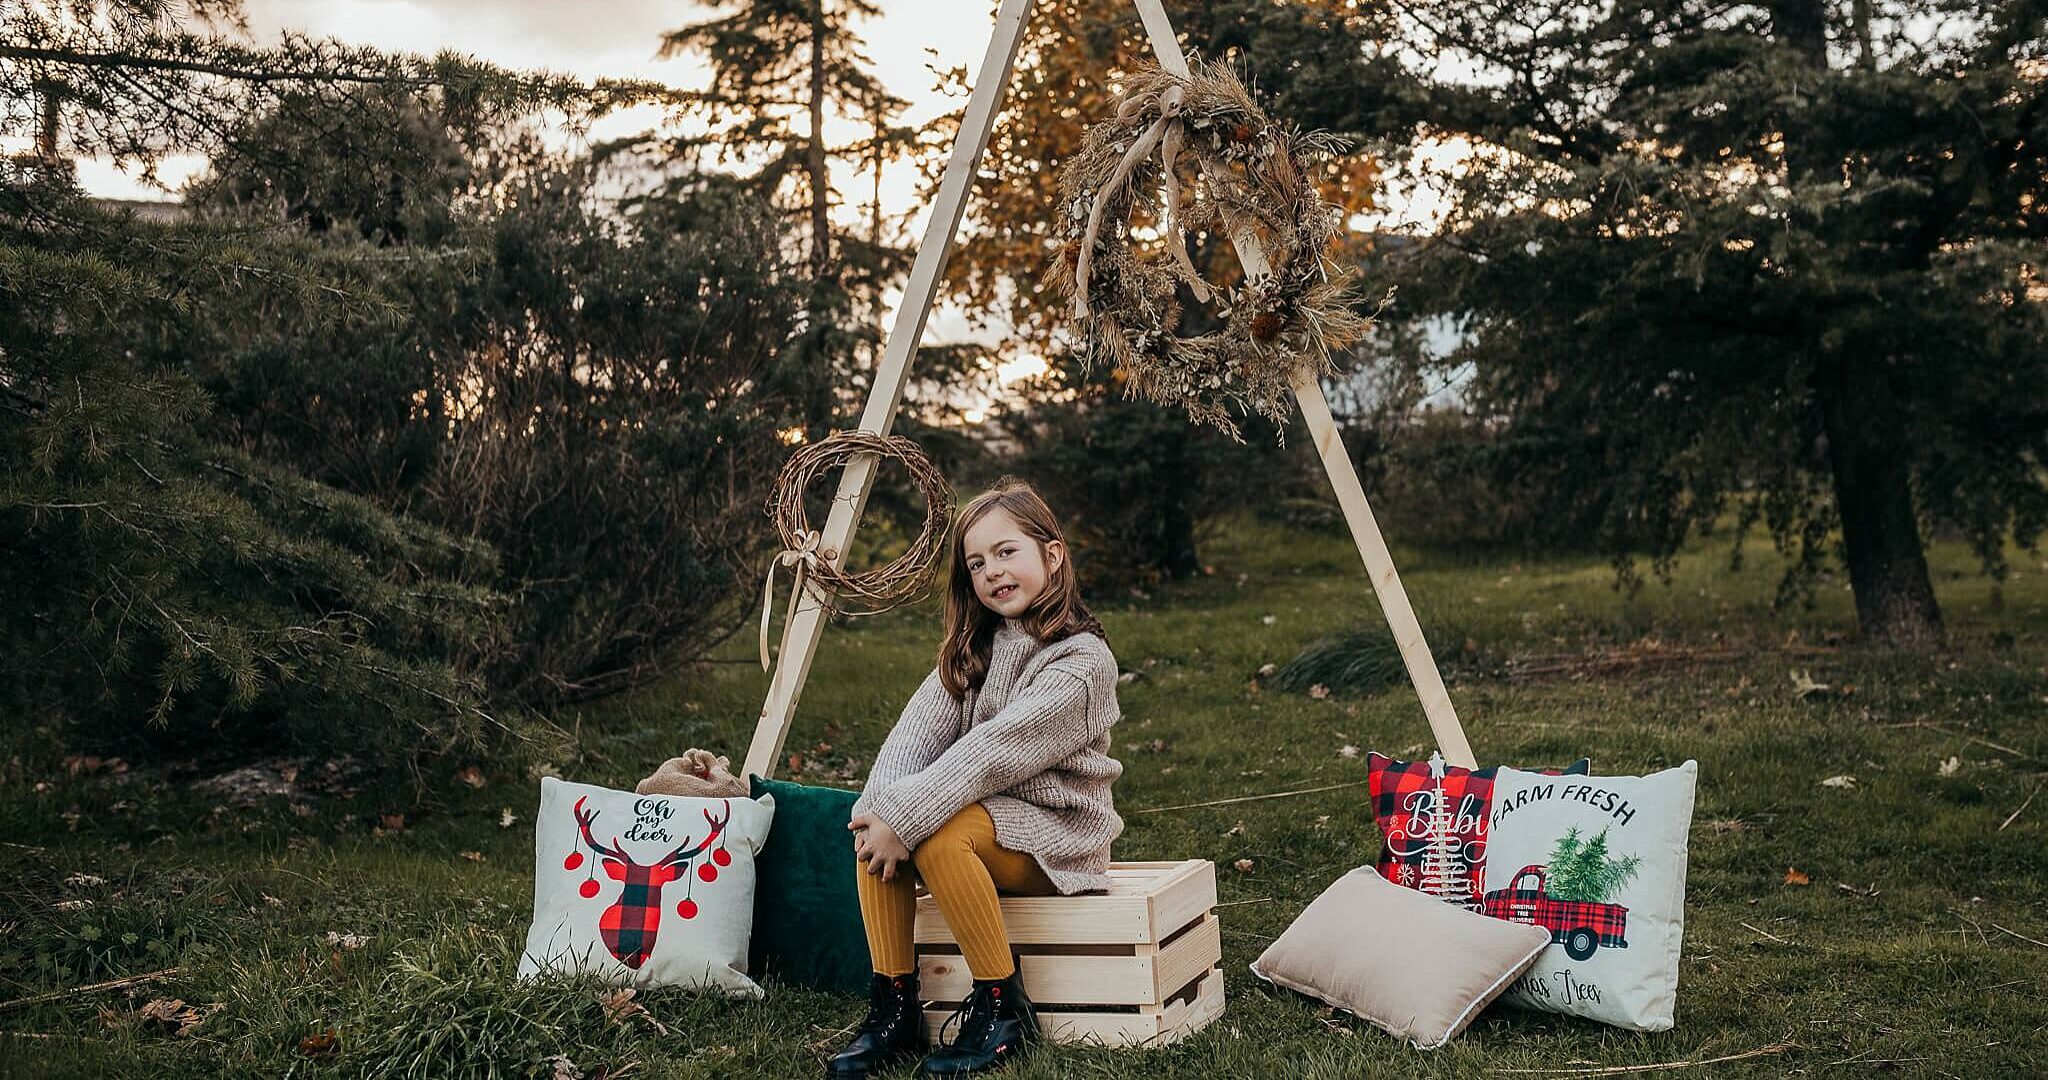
[995,778]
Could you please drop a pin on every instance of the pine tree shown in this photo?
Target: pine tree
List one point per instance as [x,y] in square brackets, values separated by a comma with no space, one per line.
[1583,870]
[1713,267]
[775,63]
[155,568]
[1561,873]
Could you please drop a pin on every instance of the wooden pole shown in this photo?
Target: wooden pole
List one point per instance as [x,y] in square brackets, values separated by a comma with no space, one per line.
[1365,532]
[800,636]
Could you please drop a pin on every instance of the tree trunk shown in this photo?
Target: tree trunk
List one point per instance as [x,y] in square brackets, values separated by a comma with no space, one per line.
[53,118]
[1866,444]
[814,153]
[1174,538]
[1887,563]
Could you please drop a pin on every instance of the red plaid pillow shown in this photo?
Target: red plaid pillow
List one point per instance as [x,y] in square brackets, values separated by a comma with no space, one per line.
[1434,831]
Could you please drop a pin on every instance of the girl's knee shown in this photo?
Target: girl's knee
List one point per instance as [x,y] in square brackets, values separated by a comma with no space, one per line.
[955,839]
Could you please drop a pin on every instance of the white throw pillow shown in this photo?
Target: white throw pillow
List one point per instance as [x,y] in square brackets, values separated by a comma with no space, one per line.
[1599,861]
[1417,967]
[651,890]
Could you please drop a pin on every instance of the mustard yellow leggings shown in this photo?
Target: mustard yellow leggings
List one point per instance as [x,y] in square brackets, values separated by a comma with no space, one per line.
[962,866]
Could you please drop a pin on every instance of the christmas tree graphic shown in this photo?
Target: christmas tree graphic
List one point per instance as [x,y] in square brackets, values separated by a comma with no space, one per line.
[1582,869]
[1444,874]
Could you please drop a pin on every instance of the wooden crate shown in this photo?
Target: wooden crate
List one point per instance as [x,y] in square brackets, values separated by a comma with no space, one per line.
[1136,966]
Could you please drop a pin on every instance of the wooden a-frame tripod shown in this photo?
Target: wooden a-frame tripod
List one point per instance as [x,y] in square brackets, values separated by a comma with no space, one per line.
[800,636]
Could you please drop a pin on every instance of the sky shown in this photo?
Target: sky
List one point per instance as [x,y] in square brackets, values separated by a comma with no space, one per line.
[621,39]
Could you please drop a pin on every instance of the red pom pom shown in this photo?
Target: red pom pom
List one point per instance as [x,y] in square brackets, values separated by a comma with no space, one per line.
[687,909]
[588,888]
[708,872]
[722,857]
[574,861]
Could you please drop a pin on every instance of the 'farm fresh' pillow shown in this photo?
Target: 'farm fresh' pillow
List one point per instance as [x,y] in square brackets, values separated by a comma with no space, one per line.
[1432,818]
[652,890]
[1599,861]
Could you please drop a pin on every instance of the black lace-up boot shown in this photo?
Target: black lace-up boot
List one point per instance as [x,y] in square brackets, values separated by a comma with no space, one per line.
[997,1023]
[892,1032]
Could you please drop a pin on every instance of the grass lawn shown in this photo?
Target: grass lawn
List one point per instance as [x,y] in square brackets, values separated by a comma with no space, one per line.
[1917,948]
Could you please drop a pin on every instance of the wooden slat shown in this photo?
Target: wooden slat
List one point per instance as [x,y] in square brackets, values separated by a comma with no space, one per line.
[1158,1027]
[1182,897]
[1054,920]
[1182,960]
[1130,913]
[1365,532]
[1142,977]
[800,635]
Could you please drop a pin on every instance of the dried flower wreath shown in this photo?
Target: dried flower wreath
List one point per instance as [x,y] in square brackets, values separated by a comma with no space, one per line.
[1248,179]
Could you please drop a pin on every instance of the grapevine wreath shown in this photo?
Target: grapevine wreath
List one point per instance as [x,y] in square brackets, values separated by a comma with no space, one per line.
[905,580]
[1249,179]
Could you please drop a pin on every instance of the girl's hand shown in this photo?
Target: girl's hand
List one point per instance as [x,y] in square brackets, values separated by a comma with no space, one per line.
[877,845]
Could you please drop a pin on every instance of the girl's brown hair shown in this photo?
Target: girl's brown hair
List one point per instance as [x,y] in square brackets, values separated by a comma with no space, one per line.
[971,626]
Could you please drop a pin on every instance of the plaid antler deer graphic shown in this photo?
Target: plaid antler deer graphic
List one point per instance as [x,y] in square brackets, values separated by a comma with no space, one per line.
[630,924]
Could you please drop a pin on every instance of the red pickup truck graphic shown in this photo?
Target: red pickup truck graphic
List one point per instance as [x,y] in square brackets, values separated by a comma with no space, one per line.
[1579,925]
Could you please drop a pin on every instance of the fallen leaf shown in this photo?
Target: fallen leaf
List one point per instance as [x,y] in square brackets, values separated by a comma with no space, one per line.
[191,1018]
[1322,821]
[473,856]
[1269,619]
[1244,866]
[620,1007]
[86,765]
[1804,687]
[317,1045]
[1268,670]
[1842,781]
[1950,767]
[391,822]
[471,775]
[1347,751]
[1796,876]
[1319,691]
[564,1069]
[1236,830]
[506,817]
[346,941]
[270,901]
[162,1010]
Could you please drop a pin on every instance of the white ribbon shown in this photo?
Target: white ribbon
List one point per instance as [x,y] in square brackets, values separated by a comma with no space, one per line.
[1165,132]
[805,558]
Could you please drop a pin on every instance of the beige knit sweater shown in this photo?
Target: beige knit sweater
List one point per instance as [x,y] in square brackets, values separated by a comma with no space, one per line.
[1032,746]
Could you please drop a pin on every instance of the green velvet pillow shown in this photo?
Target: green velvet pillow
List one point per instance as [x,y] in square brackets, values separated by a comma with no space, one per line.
[807,928]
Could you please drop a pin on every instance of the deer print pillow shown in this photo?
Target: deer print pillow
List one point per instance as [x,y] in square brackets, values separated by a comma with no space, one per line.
[1599,862]
[652,890]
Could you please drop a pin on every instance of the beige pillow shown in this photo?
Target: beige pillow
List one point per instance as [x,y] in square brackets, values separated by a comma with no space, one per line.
[1410,963]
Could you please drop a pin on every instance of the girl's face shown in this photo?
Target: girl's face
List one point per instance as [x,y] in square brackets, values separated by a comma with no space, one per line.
[1009,569]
